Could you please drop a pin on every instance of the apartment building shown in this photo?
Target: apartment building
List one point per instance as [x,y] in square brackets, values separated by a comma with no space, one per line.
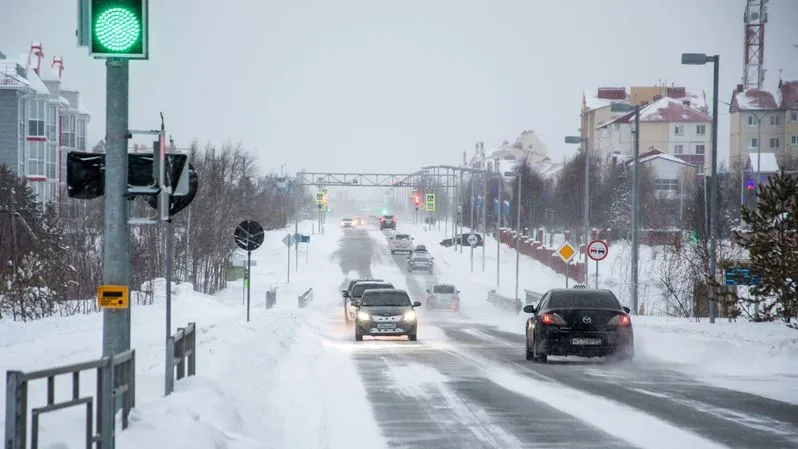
[765,121]
[41,120]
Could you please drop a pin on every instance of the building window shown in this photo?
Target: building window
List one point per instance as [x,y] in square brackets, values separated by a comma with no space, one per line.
[36,158]
[663,185]
[68,131]
[36,114]
[700,149]
[617,126]
[794,140]
[52,160]
[794,116]
[752,121]
[775,120]
[52,123]
[753,143]
[678,149]
[81,135]
[775,143]
[677,130]
[701,130]
[699,169]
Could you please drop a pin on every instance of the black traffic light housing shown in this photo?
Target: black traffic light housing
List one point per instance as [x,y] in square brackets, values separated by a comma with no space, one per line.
[118,29]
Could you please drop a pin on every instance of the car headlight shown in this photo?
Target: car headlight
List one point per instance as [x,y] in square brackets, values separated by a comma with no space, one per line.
[410,316]
[363,316]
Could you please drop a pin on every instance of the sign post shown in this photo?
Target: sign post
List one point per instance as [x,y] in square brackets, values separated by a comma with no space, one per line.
[472,242]
[566,251]
[288,240]
[248,236]
[597,250]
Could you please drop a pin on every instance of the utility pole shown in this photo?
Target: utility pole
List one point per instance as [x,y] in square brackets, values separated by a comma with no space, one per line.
[636,213]
[520,180]
[484,205]
[116,249]
[499,204]
[586,212]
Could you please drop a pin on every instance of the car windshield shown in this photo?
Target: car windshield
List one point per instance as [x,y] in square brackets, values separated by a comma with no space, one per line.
[386,299]
[583,300]
[443,289]
[388,217]
[420,256]
[360,288]
[402,237]
[347,219]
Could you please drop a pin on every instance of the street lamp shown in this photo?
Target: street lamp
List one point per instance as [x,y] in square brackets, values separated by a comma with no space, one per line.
[624,107]
[586,213]
[702,59]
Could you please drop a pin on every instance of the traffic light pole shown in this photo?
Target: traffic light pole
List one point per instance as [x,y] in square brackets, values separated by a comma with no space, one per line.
[116,249]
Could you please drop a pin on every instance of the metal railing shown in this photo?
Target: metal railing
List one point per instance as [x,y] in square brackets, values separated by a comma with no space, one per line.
[532,298]
[305,298]
[271,297]
[116,379]
[181,353]
[505,302]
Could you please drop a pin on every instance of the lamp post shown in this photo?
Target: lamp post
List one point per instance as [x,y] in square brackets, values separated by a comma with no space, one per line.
[702,59]
[586,212]
[624,107]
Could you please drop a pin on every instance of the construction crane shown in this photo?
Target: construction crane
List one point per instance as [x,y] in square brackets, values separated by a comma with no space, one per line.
[755,18]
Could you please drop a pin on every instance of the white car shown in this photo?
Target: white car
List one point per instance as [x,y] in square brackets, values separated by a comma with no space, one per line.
[443,296]
[347,223]
[401,243]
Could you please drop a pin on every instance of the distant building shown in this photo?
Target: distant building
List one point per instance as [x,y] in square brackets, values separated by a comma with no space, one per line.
[527,146]
[764,120]
[672,126]
[41,120]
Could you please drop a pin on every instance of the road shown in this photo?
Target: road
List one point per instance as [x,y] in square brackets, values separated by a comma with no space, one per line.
[468,408]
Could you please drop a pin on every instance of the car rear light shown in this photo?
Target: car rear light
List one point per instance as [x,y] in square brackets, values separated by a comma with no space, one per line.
[620,320]
[394,219]
[552,319]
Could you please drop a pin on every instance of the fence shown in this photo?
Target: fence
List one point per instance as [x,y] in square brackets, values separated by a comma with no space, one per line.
[532,298]
[306,297]
[181,353]
[271,297]
[538,251]
[505,302]
[116,379]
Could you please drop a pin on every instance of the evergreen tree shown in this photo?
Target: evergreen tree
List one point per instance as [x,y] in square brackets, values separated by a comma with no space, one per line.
[620,212]
[772,243]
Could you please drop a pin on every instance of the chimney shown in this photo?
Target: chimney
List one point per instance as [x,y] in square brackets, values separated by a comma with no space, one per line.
[739,89]
[686,102]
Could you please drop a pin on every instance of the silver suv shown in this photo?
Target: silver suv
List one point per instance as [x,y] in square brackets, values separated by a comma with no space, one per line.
[401,243]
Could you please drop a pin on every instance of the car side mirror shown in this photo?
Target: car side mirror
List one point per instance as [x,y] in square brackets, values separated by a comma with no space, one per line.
[627,310]
[427,290]
[417,304]
[345,293]
[458,292]
[529,309]
[355,303]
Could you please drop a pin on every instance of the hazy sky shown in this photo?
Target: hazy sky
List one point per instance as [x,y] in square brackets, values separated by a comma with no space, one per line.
[357,85]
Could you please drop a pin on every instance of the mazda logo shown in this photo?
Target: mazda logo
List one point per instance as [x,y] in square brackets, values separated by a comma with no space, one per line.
[586,320]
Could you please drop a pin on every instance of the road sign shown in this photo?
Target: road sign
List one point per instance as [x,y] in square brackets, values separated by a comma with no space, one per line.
[566,252]
[597,250]
[473,239]
[741,276]
[113,297]
[249,235]
[300,238]
[320,198]
[288,240]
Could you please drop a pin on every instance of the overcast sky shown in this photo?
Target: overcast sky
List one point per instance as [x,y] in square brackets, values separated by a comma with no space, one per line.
[369,85]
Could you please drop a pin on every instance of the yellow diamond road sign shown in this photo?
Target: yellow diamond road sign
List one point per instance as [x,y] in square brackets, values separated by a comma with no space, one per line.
[566,252]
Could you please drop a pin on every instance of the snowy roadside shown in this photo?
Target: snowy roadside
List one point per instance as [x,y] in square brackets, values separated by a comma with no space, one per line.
[259,384]
[760,358]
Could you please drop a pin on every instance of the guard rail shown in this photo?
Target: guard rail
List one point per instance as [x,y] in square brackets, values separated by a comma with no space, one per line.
[305,298]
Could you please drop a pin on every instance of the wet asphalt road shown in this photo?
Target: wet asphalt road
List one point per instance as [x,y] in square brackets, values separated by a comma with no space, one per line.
[469,410]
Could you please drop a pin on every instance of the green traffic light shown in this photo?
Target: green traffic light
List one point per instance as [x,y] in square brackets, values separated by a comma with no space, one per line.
[117,29]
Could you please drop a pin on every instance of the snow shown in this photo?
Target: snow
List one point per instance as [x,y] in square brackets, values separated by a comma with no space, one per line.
[668,109]
[759,358]
[758,99]
[664,156]
[268,383]
[768,161]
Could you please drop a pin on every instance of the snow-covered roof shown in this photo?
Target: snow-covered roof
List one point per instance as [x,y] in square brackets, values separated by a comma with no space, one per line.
[547,169]
[63,101]
[672,110]
[593,101]
[768,161]
[656,154]
[757,99]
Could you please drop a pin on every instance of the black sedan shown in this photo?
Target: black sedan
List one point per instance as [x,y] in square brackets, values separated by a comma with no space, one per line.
[581,322]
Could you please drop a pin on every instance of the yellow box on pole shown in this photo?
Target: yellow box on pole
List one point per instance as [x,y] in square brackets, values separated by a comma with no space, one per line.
[113,297]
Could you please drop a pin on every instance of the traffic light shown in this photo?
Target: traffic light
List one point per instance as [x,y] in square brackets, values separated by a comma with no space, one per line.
[118,29]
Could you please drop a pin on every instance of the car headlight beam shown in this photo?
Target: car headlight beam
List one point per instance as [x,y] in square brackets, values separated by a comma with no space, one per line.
[410,316]
[364,316]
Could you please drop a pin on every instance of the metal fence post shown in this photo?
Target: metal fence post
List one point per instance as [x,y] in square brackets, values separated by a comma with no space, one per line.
[192,359]
[180,353]
[16,433]
[169,384]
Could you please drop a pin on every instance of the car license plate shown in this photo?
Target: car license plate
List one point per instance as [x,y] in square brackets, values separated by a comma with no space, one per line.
[586,341]
[386,325]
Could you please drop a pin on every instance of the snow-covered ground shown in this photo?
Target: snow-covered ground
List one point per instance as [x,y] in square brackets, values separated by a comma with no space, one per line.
[761,358]
[263,384]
